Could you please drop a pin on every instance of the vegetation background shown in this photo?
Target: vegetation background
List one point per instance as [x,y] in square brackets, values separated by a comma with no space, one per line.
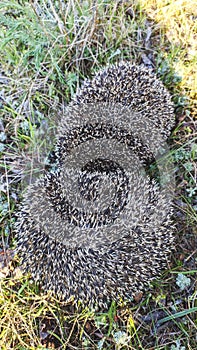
[47,48]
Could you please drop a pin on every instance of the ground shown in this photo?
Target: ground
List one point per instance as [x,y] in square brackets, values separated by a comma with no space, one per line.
[47,49]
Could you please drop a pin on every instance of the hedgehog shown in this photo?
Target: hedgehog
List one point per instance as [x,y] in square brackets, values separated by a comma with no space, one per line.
[99,226]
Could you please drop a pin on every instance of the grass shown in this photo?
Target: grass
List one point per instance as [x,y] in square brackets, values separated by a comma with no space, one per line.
[47,48]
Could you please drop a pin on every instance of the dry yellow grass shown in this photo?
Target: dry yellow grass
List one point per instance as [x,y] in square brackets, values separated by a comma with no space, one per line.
[178,19]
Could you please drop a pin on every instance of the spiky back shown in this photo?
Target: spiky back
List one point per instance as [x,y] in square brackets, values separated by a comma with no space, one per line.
[74,239]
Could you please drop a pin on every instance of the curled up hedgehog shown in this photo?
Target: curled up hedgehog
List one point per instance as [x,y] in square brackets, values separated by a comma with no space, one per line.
[98,227]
